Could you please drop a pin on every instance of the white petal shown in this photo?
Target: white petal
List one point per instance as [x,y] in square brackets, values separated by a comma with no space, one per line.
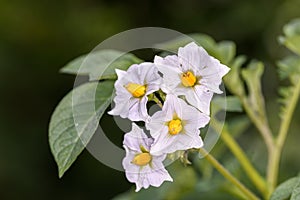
[200,97]
[171,60]
[171,72]
[196,140]
[194,118]
[167,143]
[121,106]
[189,56]
[143,108]
[130,168]
[158,177]
[152,75]
[120,73]
[174,105]
[212,75]
[164,143]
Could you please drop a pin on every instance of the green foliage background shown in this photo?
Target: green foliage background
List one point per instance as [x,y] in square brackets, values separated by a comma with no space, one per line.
[37,38]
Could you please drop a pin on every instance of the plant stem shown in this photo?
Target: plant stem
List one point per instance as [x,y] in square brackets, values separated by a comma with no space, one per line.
[283,130]
[241,156]
[262,125]
[251,172]
[154,98]
[228,175]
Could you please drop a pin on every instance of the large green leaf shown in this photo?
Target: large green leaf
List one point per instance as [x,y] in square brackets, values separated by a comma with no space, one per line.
[296,192]
[101,64]
[76,119]
[286,189]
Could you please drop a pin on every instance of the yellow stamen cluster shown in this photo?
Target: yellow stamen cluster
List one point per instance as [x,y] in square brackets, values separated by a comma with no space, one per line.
[188,79]
[142,159]
[136,90]
[175,126]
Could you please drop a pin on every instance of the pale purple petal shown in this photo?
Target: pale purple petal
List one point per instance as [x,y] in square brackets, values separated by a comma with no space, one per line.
[122,105]
[153,173]
[167,143]
[158,177]
[192,119]
[137,110]
[135,138]
[128,106]
[129,167]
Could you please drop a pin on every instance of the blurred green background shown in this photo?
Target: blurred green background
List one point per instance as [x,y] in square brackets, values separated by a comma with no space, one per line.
[37,37]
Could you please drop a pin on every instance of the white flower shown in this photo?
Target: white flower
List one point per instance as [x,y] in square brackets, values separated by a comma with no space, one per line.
[141,167]
[132,88]
[176,127]
[193,73]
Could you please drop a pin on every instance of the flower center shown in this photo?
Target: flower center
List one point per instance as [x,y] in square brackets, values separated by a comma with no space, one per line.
[142,159]
[175,126]
[136,90]
[188,79]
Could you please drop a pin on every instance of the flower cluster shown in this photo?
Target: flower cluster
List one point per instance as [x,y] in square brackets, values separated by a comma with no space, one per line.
[187,81]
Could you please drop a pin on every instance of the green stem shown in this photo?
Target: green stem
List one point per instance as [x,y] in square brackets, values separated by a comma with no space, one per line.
[262,125]
[241,156]
[283,130]
[153,97]
[251,172]
[228,175]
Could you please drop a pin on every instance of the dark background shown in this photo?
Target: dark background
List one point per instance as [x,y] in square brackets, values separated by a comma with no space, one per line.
[38,37]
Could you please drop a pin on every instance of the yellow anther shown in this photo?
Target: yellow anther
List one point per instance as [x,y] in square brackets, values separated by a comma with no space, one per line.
[142,159]
[136,90]
[175,126]
[188,79]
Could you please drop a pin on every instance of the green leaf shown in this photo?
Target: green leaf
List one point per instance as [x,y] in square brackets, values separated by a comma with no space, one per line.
[101,64]
[286,94]
[231,104]
[292,43]
[76,119]
[223,51]
[204,40]
[289,68]
[296,192]
[237,125]
[226,51]
[291,38]
[292,28]
[286,189]
[232,80]
[252,76]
